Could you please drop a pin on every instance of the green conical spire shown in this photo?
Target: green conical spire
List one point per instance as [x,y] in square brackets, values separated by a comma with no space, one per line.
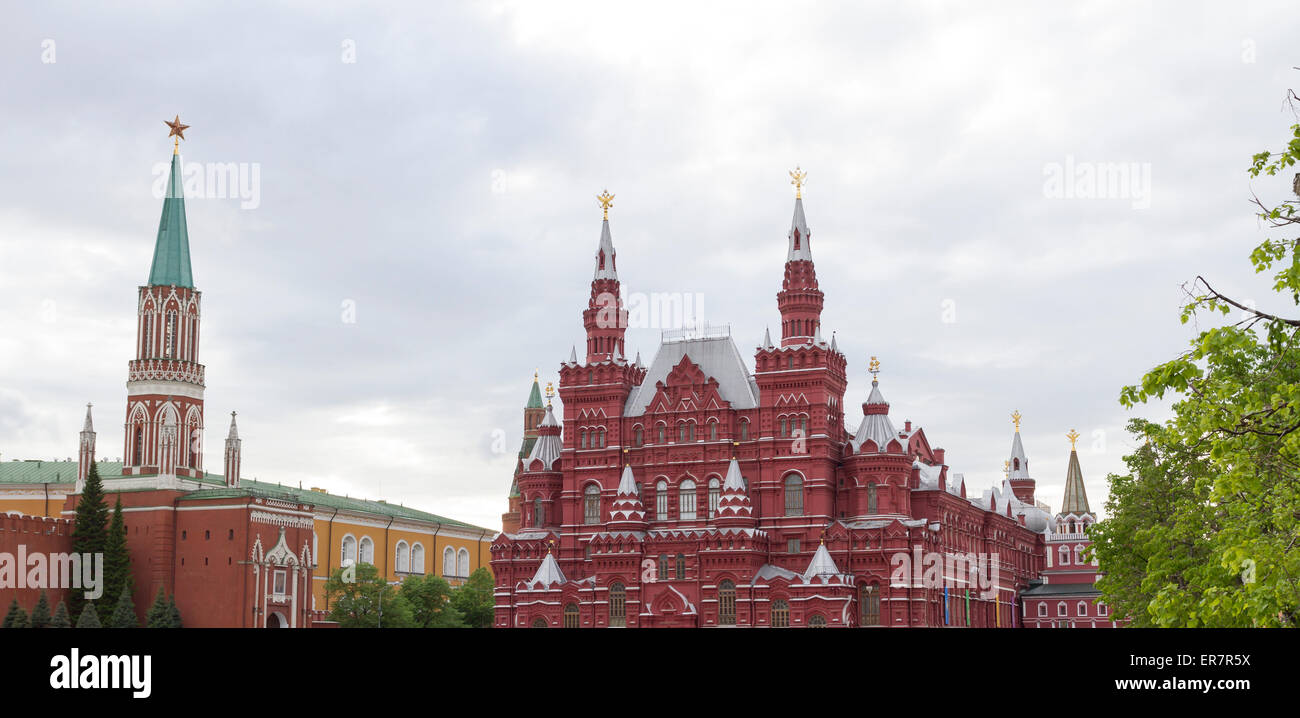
[1076,497]
[535,397]
[171,254]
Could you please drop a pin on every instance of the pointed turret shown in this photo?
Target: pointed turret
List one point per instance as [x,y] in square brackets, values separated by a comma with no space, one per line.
[767,339]
[573,356]
[875,425]
[734,506]
[233,457]
[85,451]
[534,396]
[627,513]
[605,318]
[171,251]
[1018,467]
[1076,496]
[799,300]
[548,446]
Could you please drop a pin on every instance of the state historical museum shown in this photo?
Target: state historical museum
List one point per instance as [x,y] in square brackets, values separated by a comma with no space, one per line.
[697,493]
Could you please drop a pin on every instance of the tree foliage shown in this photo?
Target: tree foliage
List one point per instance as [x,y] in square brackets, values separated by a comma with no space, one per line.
[41,612]
[89,529]
[1211,508]
[117,561]
[16,617]
[474,599]
[430,600]
[360,598]
[89,617]
[61,618]
[124,611]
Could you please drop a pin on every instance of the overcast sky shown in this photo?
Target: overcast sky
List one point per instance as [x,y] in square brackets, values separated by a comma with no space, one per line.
[429,171]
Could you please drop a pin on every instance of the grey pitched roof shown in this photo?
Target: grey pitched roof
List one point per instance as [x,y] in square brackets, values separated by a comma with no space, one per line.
[548,574]
[716,356]
[767,572]
[822,565]
[1062,589]
[1020,471]
[875,426]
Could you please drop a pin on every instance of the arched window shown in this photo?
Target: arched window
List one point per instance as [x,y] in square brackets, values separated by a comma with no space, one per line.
[617,606]
[1063,554]
[138,449]
[1082,608]
[591,504]
[640,436]
[715,495]
[1061,609]
[348,555]
[661,500]
[793,495]
[686,500]
[789,362]
[367,550]
[417,558]
[602,438]
[539,513]
[871,498]
[661,433]
[403,557]
[681,433]
[785,428]
[1042,609]
[145,343]
[582,435]
[726,603]
[690,428]
[663,567]
[449,562]
[539,623]
[1015,464]
[713,431]
[681,567]
[171,335]
[744,429]
[817,621]
[571,616]
[1078,554]
[462,563]
[869,606]
[780,614]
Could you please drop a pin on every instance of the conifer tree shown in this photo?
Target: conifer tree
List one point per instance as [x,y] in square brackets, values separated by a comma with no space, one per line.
[11,618]
[61,618]
[124,612]
[89,618]
[174,613]
[159,615]
[41,612]
[89,531]
[21,621]
[117,560]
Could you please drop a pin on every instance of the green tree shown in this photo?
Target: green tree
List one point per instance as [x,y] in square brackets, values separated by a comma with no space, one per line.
[173,613]
[430,601]
[89,529]
[474,598]
[41,613]
[1228,554]
[124,611]
[117,561]
[89,617]
[360,598]
[15,614]
[159,614]
[61,618]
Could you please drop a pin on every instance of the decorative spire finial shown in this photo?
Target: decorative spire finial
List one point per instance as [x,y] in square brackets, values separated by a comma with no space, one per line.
[797,178]
[1006,469]
[1015,419]
[178,131]
[606,201]
[1073,436]
[874,368]
[734,444]
[550,392]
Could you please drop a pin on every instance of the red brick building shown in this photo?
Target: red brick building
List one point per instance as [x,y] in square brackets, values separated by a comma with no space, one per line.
[696,492]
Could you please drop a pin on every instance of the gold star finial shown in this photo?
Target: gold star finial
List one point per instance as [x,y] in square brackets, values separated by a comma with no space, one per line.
[606,201]
[874,368]
[1015,419]
[178,130]
[1073,436]
[797,178]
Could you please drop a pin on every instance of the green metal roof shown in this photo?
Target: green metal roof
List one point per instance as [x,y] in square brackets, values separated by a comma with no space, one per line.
[1076,497]
[534,397]
[49,472]
[171,253]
